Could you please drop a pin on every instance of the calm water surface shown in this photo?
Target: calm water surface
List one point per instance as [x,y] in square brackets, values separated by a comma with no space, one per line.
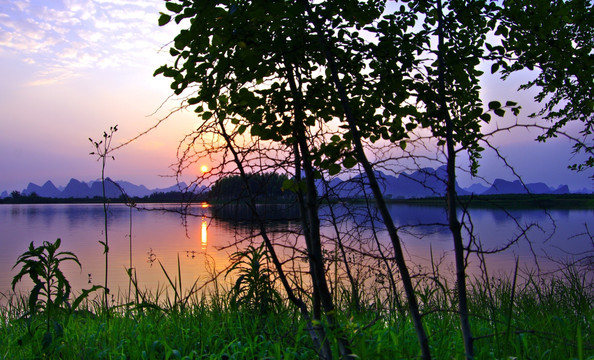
[202,244]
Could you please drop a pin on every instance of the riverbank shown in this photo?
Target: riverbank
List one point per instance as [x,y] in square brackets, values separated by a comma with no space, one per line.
[547,318]
[512,201]
[508,201]
[170,197]
[505,201]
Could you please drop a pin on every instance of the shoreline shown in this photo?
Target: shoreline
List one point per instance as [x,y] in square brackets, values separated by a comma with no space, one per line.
[548,201]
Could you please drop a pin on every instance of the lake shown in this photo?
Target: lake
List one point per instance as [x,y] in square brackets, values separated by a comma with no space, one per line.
[203,244]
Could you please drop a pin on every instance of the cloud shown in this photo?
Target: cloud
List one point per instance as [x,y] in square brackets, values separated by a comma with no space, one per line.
[71,37]
[52,76]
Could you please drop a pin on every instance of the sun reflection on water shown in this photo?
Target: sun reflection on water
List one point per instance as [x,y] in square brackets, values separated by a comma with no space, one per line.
[204,233]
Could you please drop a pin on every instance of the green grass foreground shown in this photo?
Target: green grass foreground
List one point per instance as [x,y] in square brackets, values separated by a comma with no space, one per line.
[548,319]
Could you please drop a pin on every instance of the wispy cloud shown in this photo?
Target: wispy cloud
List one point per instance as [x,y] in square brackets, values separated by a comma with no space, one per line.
[66,38]
[52,76]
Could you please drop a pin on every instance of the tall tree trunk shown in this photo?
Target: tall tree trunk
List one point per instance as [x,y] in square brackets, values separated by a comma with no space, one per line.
[454,224]
[381,204]
[316,304]
[312,217]
[317,334]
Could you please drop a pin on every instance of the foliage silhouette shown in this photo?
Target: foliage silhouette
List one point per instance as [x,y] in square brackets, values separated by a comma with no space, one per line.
[266,187]
[554,41]
[51,291]
[254,288]
[299,87]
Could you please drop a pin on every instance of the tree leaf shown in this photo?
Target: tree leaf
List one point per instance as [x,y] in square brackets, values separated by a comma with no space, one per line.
[494,68]
[334,169]
[164,19]
[494,105]
[206,115]
[349,162]
[176,8]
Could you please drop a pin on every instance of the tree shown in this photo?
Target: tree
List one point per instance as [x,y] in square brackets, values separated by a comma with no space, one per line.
[284,95]
[554,40]
[266,187]
[453,37]
[360,114]
[310,88]
[454,111]
[256,73]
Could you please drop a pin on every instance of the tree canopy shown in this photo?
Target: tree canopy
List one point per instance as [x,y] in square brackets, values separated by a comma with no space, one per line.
[317,88]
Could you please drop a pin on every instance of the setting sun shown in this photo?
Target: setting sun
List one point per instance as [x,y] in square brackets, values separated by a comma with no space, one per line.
[204,168]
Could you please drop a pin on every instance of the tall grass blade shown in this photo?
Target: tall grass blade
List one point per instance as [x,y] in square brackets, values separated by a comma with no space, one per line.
[179,277]
[512,299]
[171,282]
[580,343]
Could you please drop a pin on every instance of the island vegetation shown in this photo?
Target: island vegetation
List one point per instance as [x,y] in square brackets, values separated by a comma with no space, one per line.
[157,197]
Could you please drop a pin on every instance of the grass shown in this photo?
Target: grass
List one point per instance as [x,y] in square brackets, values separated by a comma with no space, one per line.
[203,330]
[545,318]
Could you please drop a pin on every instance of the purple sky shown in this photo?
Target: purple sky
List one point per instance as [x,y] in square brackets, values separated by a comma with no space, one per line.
[70,69]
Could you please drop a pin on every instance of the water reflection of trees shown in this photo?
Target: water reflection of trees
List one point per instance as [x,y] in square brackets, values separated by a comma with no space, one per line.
[237,214]
[352,234]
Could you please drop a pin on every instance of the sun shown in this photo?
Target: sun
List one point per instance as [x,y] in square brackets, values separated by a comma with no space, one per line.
[204,168]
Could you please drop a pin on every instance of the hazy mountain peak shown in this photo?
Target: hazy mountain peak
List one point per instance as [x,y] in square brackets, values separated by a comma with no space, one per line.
[80,189]
[423,182]
[501,186]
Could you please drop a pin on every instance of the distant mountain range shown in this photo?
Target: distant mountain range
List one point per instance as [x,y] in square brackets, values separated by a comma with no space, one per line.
[80,189]
[430,182]
[425,182]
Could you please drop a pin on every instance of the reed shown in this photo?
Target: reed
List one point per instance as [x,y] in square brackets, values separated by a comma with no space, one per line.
[550,318]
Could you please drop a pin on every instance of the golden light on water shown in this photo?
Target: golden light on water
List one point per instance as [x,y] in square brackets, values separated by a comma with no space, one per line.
[204,234]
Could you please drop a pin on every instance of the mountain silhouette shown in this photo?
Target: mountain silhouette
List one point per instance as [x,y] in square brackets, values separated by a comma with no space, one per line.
[80,189]
[75,189]
[476,189]
[48,189]
[426,182]
[501,186]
